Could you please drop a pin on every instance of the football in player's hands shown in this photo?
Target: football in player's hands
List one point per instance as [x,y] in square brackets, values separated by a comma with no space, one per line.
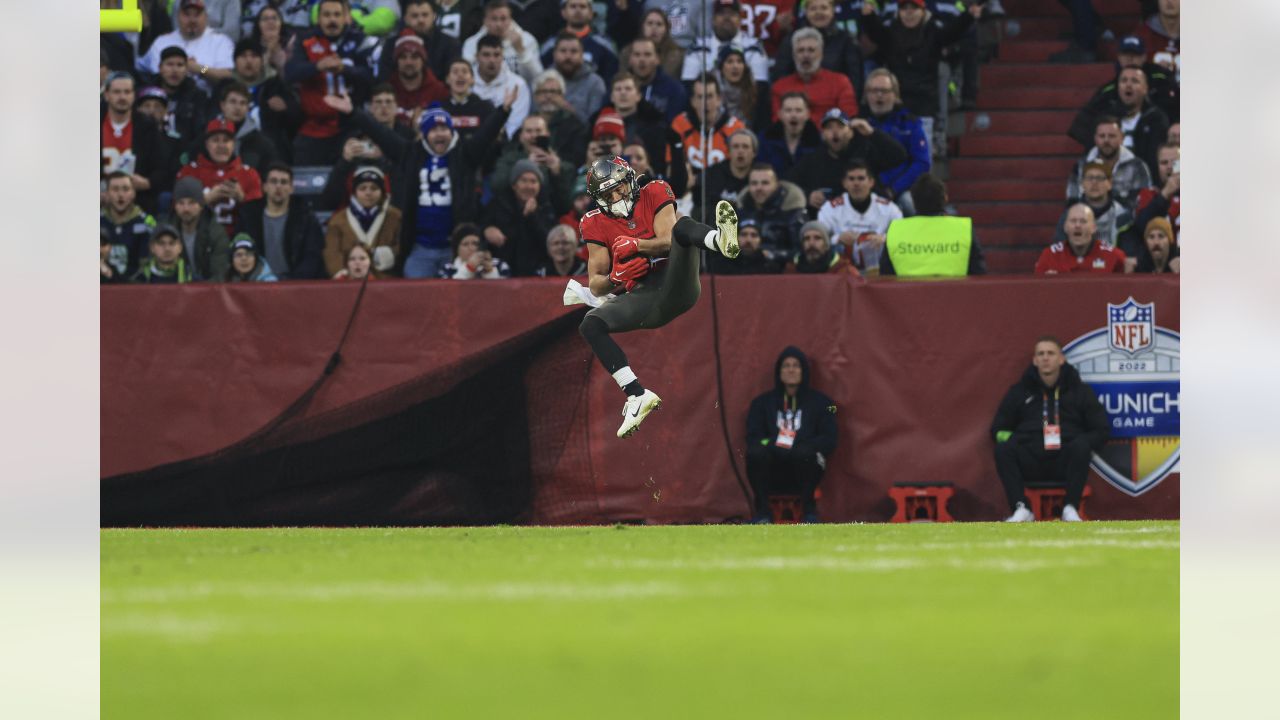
[624,248]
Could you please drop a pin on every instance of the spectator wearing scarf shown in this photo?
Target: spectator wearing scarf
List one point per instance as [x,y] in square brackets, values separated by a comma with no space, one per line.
[369,220]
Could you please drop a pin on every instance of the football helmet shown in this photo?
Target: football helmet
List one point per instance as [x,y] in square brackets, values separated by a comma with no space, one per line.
[606,174]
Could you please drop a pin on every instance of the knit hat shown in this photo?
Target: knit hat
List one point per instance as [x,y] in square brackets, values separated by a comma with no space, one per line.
[609,122]
[243,240]
[169,230]
[726,50]
[526,166]
[172,51]
[151,92]
[744,223]
[917,3]
[1163,225]
[434,116]
[817,226]
[188,188]
[409,42]
[368,173]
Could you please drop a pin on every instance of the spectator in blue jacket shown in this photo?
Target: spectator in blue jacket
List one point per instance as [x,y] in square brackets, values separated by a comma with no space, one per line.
[885,112]
[793,135]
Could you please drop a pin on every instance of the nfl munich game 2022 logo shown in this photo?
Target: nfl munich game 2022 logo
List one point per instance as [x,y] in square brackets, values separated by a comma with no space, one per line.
[1132,364]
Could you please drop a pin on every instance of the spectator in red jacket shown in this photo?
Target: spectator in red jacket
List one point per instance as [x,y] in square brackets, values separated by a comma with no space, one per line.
[416,86]
[1082,251]
[825,89]
[228,183]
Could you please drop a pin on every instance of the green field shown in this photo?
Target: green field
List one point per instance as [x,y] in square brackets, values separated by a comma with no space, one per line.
[980,620]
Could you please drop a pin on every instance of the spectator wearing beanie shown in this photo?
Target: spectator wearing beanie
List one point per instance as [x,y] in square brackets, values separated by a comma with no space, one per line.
[816,254]
[754,258]
[415,84]
[519,218]
[205,245]
[246,265]
[369,219]
[1160,252]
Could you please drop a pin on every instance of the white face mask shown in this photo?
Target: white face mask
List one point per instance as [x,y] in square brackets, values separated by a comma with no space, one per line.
[621,207]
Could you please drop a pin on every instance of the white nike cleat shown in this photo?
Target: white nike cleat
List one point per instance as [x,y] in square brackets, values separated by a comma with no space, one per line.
[1021,514]
[1070,515]
[727,224]
[636,410]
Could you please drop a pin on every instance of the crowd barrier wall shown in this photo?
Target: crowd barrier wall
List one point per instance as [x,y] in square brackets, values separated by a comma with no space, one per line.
[916,370]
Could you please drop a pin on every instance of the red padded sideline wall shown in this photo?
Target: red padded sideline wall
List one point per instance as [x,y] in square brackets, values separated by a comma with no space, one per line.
[916,369]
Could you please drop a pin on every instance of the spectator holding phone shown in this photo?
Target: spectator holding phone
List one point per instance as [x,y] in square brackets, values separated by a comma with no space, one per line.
[472,257]
[533,143]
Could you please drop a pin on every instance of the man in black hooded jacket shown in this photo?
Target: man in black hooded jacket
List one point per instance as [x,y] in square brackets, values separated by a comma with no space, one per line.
[791,431]
[1047,427]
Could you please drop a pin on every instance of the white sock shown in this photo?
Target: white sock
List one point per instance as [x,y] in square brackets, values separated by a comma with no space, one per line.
[624,377]
[710,239]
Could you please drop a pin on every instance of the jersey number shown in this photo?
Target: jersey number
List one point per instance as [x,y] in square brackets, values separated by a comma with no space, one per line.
[757,20]
[434,188]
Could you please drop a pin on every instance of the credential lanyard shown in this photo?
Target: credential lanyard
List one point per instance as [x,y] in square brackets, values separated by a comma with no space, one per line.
[1044,408]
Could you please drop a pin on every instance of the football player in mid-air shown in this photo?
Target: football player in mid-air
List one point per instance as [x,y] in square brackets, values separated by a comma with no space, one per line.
[648,256]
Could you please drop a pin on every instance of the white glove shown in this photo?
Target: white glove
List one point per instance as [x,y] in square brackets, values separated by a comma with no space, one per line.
[383,258]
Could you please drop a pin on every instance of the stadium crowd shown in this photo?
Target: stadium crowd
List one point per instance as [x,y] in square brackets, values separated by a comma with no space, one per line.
[262,140]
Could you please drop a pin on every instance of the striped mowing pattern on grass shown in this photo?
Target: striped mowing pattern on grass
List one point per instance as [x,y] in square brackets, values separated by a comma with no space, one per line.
[957,620]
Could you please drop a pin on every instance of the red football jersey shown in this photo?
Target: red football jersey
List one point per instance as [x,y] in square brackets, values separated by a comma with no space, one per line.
[211,174]
[117,150]
[1101,258]
[600,229]
[760,21]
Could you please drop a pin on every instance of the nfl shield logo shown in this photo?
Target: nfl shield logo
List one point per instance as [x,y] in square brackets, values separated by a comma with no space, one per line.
[1131,326]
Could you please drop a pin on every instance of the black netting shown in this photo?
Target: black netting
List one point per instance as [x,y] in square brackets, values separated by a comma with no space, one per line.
[450,447]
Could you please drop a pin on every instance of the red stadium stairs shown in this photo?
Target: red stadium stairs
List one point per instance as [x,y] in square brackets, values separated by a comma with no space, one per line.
[1010,163]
